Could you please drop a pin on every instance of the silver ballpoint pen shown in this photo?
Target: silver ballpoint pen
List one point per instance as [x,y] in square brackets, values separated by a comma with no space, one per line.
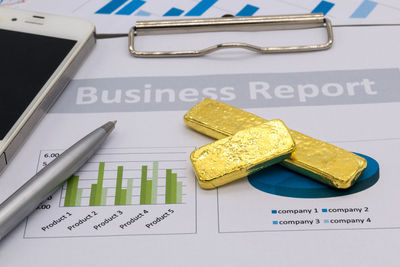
[25,200]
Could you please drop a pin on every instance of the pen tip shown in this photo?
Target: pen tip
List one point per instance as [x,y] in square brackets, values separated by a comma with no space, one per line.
[109,126]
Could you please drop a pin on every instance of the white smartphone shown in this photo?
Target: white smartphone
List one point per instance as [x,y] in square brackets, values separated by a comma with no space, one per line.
[39,54]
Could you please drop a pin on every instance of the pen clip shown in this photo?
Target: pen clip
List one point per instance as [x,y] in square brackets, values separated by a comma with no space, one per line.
[257,23]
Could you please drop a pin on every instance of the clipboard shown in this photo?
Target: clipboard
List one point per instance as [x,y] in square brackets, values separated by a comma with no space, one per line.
[257,23]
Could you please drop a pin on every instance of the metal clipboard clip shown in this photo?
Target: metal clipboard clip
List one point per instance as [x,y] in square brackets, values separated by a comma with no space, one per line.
[258,23]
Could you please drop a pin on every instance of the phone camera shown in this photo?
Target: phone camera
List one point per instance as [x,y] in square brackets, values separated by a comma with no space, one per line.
[14,19]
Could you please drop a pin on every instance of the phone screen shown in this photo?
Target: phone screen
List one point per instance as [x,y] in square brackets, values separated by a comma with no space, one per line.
[26,63]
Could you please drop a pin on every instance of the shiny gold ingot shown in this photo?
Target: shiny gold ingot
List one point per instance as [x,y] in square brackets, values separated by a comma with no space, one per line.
[242,154]
[316,159]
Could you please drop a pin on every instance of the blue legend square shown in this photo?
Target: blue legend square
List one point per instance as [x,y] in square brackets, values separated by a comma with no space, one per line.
[324,210]
[274,211]
[274,222]
[326,221]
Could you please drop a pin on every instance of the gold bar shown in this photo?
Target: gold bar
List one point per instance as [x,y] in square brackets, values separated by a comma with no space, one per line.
[316,159]
[242,154]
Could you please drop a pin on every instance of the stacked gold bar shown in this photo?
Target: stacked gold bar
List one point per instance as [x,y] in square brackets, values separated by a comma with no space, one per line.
[242,154]
[316,159]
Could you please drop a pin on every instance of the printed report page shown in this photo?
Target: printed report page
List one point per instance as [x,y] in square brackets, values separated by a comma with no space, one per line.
[137,200]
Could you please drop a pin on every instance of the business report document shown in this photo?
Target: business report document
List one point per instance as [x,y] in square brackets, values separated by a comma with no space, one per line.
[137,201]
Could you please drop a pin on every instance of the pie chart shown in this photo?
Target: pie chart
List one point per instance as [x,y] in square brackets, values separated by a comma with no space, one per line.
[278,180]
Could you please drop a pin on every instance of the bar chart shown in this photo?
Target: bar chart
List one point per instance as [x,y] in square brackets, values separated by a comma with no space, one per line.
[199,8]
[121,191]
[98,195]
[360,9]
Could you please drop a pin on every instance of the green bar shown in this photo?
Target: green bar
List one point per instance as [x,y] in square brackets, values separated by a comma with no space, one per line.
[168,177]
[118,187]
[68,192]
[93,195]
[179,193]
[174,181]
[129,187]
[99,187]
[78,197]
[72,188]
[122,201]
[143,185]
[155,183]
[104,197]
[148,191]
